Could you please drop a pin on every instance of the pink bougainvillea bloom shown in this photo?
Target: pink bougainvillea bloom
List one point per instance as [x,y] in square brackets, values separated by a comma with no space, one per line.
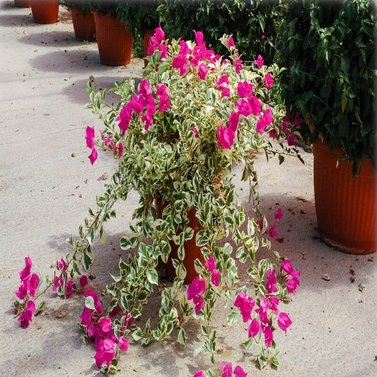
[27,315]
[278,214]
[123,344]
[83,281]
[199,37]
[253,329]
[293,277]
[89,137]
[263,37]
[86,316]
[287,266]
[293,283]
[298,120]
[163,94]
[291,139]
[245,304]
[33,284]
[25,273]
[93,156]
[180,62]
[268,336]
[259,61]
[272,134]
[238,66]
[194,131]
[22,290]
[271,281]
[105,353]
[210,263]
[97,303]
[199,304]
[215,277]
[244,89]
[222,85]
[105,324]
[239,372]
[199,373]
[225,137]
[69,288]
[284,321]
[62,265]
[268,80]
[136,104]
[272,232]
[230,42]
[227,370]
[195,291]
[159,34]
[202,71]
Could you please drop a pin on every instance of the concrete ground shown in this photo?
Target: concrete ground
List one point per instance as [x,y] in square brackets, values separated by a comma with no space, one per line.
[47,185]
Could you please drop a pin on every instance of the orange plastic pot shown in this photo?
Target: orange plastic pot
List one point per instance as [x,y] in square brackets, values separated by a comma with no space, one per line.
[83,25]
[114,41]
[346,205]
[22,3]
[192,251]
[45,11]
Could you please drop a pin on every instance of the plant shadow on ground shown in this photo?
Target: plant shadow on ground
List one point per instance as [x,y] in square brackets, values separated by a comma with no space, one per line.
[76,92]
[16,20]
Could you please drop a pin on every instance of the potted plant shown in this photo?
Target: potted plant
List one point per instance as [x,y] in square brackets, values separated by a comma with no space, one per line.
[177,134]
[329,52]
[45,11]
[114,32]
[82,19]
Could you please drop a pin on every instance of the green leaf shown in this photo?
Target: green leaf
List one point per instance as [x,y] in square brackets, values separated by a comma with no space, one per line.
[87,261]
[182,336]
[232,318]
[89,303]
[152,276]
[262,362]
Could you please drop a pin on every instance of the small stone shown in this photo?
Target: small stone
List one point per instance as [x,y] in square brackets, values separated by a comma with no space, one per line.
[326,277]
[73,155]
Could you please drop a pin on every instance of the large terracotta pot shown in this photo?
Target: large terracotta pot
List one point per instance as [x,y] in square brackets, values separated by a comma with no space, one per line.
[192,251]
[22,3]
[83,25]
[114,41]
[45,11]
[346,205]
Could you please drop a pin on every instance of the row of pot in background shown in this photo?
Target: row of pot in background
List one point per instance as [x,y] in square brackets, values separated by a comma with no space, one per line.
[115,41]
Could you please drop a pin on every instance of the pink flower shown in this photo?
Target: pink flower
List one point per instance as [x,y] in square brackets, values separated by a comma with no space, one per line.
[89,137]
[136,104]
[263,37]
[239,372]
[159,34]
[210,263]
[227,370]
[86,316]
[268,336]
[199,373]
[97,303]
[234,118]
[291,139]
[292,276]
[225,137]
[245,304]
[238,65]
[194,131]
[272,232]
[69,288]
[22,290]
[278,214]
[202,71]
[298,120]
[27,315]
[105,324]
[199,37]
[93,156]
[123,344]
[271,281]
[222,85]
[287,266]
[145,88]
[284,321]
[163,94]
[33,284]
[254,328]
[215,277]
[180,62]
[83,281]
[120,150]
[268,80]
[259,61]
[105,353]
[195,291]
[244,89]
[230,42]
[25,273]
[265,120]
[62,265]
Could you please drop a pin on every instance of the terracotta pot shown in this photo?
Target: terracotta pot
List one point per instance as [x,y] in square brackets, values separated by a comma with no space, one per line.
[114,41]
[83,25]
[145,42]
[192,251]
[45,11]
[346,205]
[22,3]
